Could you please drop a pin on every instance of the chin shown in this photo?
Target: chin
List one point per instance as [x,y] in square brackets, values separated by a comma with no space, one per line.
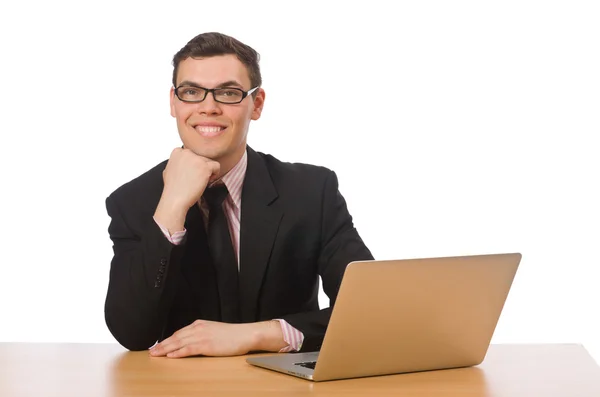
[210,153]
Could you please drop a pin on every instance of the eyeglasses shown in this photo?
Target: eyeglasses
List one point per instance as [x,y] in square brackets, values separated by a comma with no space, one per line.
[191,94]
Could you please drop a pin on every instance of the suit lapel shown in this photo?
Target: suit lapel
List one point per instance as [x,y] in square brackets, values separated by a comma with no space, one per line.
[260,219]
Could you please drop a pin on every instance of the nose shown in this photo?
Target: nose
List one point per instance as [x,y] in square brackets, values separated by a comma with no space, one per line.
[209,106]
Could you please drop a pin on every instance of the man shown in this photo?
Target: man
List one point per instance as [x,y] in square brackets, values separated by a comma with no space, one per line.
[222,277]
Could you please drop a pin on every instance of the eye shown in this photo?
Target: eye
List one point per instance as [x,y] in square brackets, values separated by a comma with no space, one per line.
[230,93]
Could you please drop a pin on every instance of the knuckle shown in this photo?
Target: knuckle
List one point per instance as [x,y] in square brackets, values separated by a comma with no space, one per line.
[184,351]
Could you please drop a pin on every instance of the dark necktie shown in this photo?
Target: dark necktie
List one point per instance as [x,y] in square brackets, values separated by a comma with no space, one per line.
[223,256]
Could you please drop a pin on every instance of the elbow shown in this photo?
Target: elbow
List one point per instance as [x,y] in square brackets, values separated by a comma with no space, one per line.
[128,336]
[135,346]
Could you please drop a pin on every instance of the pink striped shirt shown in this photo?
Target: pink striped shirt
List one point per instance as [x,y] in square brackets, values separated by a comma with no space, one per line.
[232,206]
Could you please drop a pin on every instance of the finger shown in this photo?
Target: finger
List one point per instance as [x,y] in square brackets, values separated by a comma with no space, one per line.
[160,349]
[156,351]
[214,166]
[183,343]
[177,340]
[166,347]
[185,351]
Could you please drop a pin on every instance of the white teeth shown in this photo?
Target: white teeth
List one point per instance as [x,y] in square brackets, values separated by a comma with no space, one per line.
[208,129]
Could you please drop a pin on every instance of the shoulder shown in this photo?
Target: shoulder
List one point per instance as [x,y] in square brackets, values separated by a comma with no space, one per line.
[298,182]
[144,189]
[295,173]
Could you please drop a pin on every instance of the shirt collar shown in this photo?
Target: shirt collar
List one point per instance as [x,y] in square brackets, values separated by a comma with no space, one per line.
[234,179]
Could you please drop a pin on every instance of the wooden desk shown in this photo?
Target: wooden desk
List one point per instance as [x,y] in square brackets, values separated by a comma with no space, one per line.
[87,370]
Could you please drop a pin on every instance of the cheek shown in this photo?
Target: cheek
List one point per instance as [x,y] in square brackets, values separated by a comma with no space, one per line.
[243,116]
[242,124]
[181,115]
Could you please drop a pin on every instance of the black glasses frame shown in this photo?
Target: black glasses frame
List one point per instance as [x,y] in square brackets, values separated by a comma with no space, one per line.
[212,91]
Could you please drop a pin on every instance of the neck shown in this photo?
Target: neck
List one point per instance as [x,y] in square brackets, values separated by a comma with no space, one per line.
[228,163]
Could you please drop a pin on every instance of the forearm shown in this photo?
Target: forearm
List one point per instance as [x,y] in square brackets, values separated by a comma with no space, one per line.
[136,308]
[171,215]
[140,290]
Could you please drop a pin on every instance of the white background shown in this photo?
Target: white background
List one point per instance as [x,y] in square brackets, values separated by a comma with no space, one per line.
[454,127]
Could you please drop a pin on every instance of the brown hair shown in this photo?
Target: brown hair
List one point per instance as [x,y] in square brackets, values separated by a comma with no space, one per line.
[214,44]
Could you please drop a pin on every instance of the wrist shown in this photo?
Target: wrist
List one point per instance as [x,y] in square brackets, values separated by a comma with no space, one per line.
[268,336]
[170,215]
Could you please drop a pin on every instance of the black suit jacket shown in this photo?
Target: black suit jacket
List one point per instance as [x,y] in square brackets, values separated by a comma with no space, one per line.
[295,227]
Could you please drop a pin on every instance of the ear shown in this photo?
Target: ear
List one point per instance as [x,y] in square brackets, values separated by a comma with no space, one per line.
[172,101]
[259,102]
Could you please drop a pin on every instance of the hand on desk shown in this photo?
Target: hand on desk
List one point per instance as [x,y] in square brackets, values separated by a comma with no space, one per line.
[209,338]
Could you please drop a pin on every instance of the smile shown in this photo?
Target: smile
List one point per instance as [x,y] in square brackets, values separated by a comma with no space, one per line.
[209,131]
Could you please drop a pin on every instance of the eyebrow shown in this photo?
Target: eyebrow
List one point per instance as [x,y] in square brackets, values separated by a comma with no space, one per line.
[229,83]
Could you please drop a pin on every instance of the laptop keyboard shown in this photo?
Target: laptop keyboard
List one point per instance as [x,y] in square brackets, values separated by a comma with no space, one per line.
[307,364]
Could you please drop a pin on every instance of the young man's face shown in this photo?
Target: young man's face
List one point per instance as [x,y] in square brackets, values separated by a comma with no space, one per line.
[209,128]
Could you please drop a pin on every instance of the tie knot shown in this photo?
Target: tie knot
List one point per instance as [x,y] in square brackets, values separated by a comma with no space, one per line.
[215,195]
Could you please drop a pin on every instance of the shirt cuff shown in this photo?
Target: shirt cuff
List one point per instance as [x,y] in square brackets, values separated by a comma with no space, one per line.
[174,238]
[291,336]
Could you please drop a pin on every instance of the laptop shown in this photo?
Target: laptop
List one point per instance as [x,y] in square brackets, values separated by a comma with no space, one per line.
[400,316]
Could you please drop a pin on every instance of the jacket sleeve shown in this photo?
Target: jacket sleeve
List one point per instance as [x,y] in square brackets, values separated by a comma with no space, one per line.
[141,283]
[340,245]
